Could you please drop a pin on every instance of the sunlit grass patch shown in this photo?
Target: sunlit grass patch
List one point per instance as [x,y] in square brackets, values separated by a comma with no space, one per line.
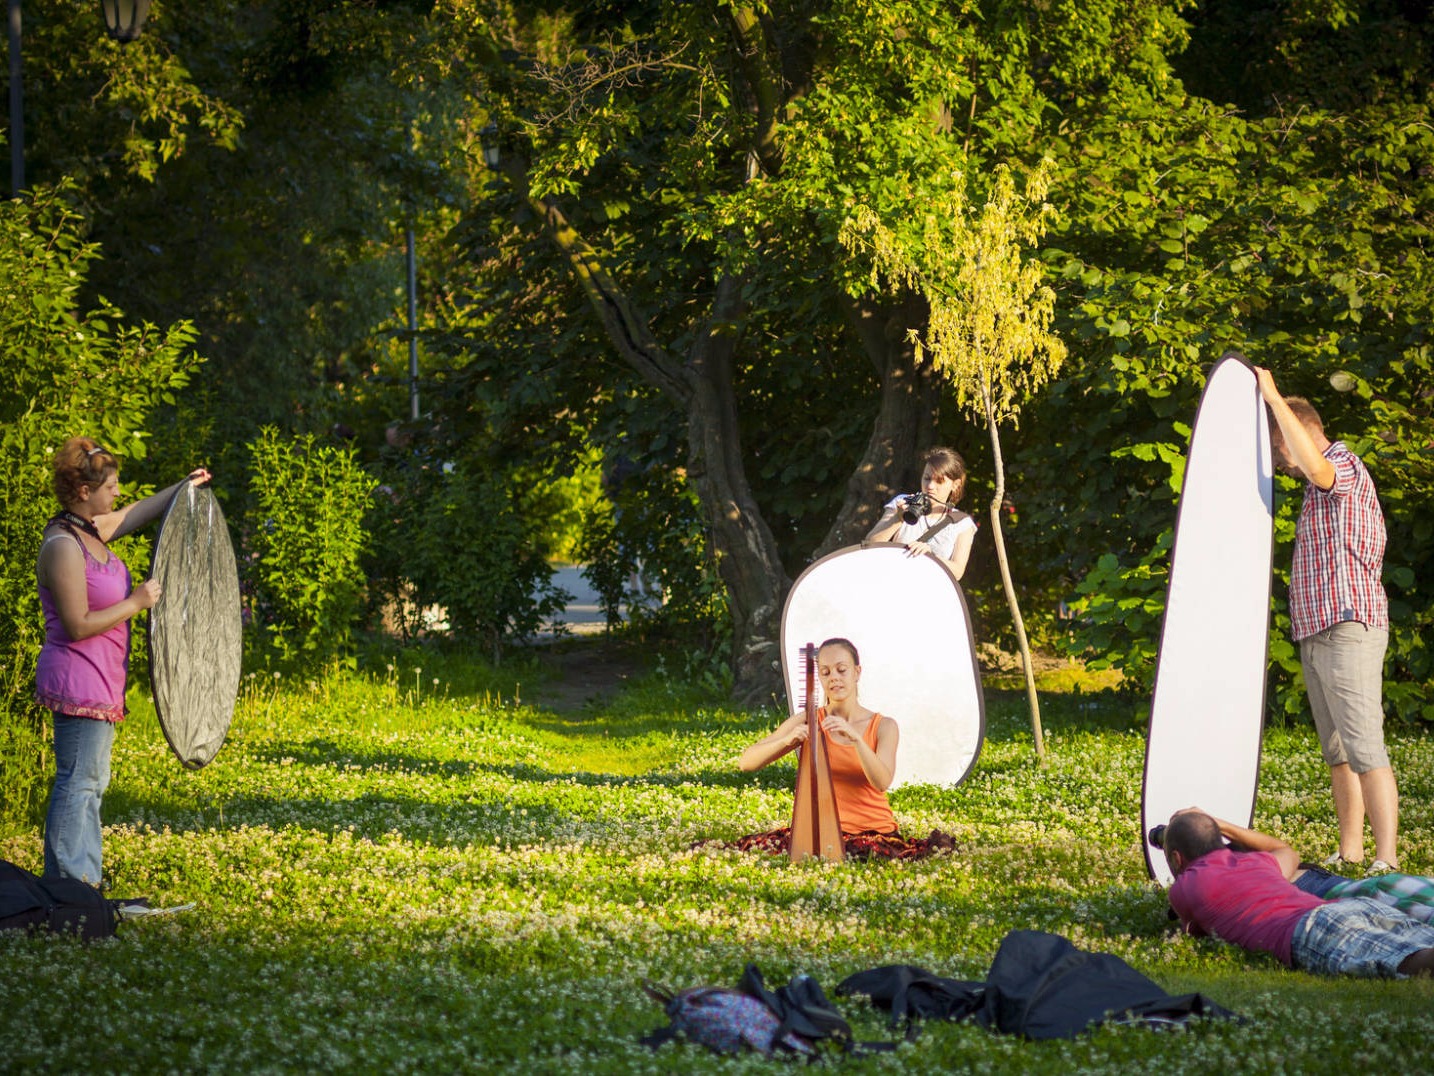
[392,874]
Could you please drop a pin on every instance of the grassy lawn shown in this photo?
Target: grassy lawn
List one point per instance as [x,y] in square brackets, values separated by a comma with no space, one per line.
[407,869]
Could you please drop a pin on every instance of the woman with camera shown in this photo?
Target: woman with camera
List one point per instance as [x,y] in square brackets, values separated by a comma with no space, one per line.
[929,521]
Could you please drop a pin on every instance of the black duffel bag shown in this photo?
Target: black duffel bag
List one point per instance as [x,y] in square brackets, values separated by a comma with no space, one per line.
[62,905]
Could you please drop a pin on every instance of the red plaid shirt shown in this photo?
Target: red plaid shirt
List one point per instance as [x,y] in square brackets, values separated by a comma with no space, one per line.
[1339,549]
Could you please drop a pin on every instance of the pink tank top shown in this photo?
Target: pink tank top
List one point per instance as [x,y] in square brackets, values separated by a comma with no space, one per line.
[86,678]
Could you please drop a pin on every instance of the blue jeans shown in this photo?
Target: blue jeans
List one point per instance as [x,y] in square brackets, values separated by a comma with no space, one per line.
[82,773]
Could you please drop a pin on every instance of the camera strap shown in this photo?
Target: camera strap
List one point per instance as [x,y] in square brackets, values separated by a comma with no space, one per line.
[935,528]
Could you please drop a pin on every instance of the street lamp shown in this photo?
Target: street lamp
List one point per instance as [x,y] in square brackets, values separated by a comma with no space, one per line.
[17,106]
[124,19]
[488,137]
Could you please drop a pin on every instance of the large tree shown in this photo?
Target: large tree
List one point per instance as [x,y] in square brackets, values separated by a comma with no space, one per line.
[693,164]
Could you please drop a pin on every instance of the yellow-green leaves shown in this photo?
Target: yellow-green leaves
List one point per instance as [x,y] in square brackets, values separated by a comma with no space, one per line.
[989,331]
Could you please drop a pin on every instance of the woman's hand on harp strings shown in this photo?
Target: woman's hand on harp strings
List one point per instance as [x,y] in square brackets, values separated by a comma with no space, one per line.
[840,730]
[797,733]
[787,736]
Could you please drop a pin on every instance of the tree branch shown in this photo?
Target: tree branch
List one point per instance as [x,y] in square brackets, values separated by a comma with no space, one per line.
[763,73]
[626,329]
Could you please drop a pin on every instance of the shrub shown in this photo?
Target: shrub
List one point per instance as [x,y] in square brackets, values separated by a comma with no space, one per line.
[303,541]
[645,551]
[466,535]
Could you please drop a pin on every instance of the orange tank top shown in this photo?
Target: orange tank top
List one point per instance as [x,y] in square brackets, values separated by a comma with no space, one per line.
[862,806]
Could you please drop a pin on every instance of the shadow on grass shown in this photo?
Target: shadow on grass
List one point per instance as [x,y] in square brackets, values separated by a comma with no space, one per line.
[528,796]
[326,754]
[632,726]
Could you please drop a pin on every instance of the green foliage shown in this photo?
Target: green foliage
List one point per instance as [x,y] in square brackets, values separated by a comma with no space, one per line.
[1300,238]
[302,543]
[98,111]
[25,757]
[462,540]
[1124,607]
[990,311]
[68,371]
[989,315]
[645,553]
[286,245]
[1281,205]
[563,501]
[377,856]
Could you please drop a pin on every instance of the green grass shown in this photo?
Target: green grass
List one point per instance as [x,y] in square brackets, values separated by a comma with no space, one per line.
[407,871]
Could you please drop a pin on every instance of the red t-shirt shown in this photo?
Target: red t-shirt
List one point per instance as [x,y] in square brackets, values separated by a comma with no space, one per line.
[1243,898]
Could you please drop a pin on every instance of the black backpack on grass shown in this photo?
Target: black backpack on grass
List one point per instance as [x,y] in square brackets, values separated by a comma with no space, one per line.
[62,905]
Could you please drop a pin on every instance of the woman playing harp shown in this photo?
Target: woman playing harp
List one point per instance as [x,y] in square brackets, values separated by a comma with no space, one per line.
[861,743]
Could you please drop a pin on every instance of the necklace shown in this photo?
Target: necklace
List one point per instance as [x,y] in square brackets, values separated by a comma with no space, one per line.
[69,519]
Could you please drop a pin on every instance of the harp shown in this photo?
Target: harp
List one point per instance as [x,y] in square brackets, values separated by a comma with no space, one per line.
[816,826]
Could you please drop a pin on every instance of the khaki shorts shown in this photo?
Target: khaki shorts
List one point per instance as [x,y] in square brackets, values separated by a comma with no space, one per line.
[1344,676]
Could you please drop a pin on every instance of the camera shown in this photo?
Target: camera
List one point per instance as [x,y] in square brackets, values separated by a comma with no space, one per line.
[914,507]
[1156,836]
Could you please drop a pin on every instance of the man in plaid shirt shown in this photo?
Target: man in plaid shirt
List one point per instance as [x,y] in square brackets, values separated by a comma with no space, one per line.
[1340,618]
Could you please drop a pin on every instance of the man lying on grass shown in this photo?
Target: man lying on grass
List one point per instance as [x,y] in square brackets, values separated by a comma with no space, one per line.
[1246,898]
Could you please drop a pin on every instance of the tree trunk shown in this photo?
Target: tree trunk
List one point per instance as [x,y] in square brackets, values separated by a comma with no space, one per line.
[998,465]
[746,551]
[905,421]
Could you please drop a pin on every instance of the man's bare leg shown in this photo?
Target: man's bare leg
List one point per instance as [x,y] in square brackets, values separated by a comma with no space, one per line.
[1381,802]
[1349,809]
[1420,963]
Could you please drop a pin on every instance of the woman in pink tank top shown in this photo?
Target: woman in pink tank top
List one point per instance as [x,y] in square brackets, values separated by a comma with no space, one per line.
[85,591]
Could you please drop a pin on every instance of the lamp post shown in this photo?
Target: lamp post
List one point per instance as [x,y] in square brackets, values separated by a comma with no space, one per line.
[411,258]
[124,19]
[488,138]
[412,320]
[17,106]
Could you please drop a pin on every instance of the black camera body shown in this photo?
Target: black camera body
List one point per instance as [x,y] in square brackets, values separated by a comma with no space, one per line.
[1156,836]
[914,507]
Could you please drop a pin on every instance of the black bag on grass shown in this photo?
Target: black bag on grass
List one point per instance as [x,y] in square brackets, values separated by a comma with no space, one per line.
[1040,986]
[910,993]
[62,905]
[1043,987]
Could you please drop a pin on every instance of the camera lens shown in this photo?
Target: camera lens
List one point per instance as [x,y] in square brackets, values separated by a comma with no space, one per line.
[915,507]
[1156,836]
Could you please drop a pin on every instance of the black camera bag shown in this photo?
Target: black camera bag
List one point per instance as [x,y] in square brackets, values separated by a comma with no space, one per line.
[62,905]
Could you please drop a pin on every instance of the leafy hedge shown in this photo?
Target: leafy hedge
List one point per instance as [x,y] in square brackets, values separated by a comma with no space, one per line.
[67,372]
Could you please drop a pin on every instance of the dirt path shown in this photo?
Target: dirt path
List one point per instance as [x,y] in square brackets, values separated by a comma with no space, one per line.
[586,671]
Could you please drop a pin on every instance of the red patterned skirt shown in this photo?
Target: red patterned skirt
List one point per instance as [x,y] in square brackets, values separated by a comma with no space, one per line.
[866,845]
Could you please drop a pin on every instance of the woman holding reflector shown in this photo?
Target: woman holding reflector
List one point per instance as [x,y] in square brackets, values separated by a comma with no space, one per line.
[929,521]
[85,591]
